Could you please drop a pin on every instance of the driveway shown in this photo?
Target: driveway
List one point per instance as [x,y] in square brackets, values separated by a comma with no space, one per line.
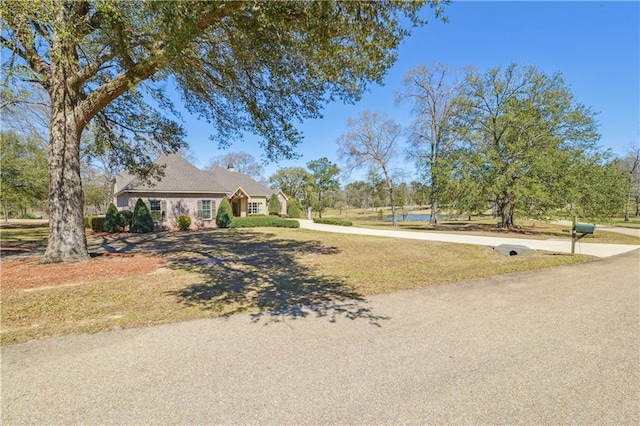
[557,246]
[555,346]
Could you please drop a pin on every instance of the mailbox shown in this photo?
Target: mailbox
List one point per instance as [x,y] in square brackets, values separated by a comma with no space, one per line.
[584,228]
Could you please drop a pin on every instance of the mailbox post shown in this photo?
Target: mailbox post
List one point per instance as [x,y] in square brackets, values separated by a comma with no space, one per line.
[580,228]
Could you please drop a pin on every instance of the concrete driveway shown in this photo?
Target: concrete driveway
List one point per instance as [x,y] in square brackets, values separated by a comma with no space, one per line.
[557,246]
[555,346]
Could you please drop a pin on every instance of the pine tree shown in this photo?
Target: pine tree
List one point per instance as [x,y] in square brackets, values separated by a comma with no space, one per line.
[274,205]
[225,215]
[142,221]
[112,220]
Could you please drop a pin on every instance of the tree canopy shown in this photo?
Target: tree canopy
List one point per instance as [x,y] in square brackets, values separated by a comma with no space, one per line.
[23,172]
[255,66]
[522,136]
[324,177]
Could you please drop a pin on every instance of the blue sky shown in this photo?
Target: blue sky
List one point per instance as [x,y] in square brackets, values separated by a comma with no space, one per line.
[595,45]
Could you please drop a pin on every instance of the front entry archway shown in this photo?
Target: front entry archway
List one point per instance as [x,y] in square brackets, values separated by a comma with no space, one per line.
[239,202]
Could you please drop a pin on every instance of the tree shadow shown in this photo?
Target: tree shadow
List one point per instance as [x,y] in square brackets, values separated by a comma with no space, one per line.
[243,271]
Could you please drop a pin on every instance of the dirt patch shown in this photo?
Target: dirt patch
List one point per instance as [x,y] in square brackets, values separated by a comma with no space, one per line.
[28,273]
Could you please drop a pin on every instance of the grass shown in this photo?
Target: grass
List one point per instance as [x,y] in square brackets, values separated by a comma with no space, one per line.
[634,222]
[272,273]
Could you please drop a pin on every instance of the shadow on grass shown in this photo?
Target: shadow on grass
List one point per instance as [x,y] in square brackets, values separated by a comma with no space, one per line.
[248,271]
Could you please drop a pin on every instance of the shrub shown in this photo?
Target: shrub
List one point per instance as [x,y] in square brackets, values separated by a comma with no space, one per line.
[293,208]
[126,217]
[224,215]
[333,221]
[184,222]
[274,205]
[141,221]
[112,223]
[267,221]
[94,222]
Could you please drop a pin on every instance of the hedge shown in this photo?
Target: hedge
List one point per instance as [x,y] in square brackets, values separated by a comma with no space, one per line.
[94,222]
[333,221]
[268,221]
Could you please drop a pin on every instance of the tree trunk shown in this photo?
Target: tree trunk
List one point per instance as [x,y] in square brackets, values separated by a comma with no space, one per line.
[67,239]
[506,212]
[392,197]
[320,204]
[393,206]
[5,207]
[433,220]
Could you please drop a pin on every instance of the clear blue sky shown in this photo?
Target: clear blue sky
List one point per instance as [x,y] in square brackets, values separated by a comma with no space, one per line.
[595,45]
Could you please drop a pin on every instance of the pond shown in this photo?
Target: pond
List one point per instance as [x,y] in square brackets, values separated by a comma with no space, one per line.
[423,218]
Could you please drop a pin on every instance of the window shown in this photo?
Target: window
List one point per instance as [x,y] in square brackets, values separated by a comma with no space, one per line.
[158,210]
[205,209]
[255,208]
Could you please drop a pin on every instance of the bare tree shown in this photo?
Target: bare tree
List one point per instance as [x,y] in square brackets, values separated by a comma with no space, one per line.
[431,93]
[242,162]
[372,141]
[631,166]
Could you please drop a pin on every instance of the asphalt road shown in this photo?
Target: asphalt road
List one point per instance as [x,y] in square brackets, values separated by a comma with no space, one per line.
[556,346]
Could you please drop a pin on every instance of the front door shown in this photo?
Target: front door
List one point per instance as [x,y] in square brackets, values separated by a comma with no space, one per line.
[235,207]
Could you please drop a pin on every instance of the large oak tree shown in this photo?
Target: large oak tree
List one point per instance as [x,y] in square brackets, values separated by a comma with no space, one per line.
[525,142]
[250,66]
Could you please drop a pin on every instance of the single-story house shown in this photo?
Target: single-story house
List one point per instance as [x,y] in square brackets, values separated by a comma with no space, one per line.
[186,190]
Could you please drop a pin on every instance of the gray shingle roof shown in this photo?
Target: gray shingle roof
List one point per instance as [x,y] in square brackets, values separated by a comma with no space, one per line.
[182,176]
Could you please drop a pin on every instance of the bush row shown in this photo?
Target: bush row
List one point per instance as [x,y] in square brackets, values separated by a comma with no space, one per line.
[271,221]
[333,221]
[138,221]
[94,222]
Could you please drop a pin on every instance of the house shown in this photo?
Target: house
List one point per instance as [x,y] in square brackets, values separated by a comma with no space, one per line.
[186,190]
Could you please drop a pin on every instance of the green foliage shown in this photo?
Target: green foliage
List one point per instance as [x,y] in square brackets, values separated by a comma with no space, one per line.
[112,221]
[324,177]
[520,131]
[266,221]
[184,222]
[225,214]
[595,190]
[274,205]
[257,67]
[96,223]
[293,181]
[126,217]
[293,208]
[141,222]
[23,172]
[333,221]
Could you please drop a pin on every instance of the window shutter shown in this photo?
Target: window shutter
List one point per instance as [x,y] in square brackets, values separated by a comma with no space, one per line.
[200,208]
[163,210]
